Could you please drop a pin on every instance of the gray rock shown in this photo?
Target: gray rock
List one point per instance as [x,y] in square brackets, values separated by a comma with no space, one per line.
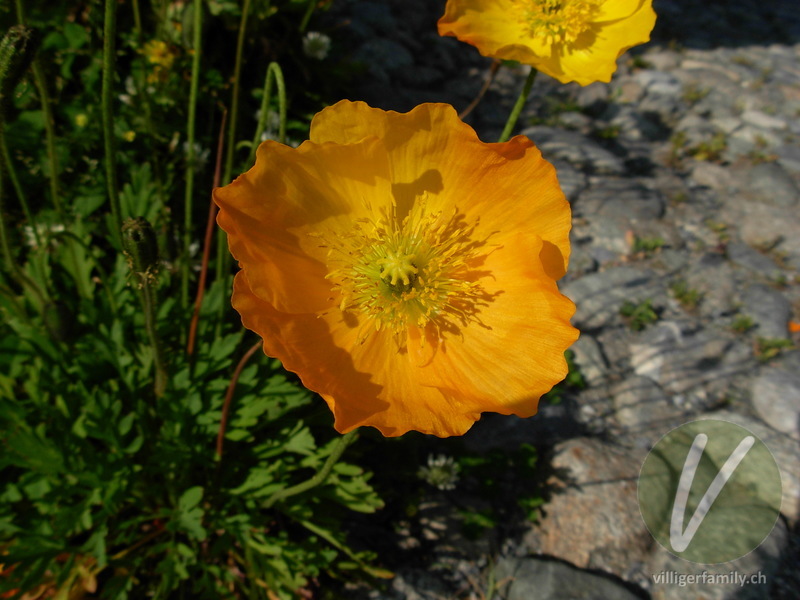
[771,184]
[764,224]
[643,409]
[789,157]
[786,452]
[580,262]
[711,175]
[776,395]
[635,125]
[383,56]
[659,82]
[713,278]
[608,233]
[542,579]
[763,560]
[588,519]
[571,180]
[599,296]
[763,120]
[417,584]
[769,309]
[592,96]
[679,359]
[576,149]
[621,198]
[745,256]
[590,360]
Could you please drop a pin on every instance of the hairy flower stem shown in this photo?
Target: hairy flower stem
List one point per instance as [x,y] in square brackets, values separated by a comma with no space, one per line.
[523,97]
[320,476]
[274,73]
[197,24]
[148,303]
[141,249]
[109,33]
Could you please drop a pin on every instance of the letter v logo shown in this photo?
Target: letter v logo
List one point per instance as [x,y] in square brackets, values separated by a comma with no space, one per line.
[678,537]
[710,491]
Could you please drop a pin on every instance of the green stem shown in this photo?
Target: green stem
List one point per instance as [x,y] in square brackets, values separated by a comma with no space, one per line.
[47,111]
[234,113]
[5,244]
[190,152]
[321,475]
[312,4]
[148,110]
[109,32]
[523,97]
[222,263]
[273,73]
[23,200]
[152,332]
[50,134]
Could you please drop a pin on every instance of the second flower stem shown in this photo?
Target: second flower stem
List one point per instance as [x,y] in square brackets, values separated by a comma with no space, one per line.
[515,112]
[320,476]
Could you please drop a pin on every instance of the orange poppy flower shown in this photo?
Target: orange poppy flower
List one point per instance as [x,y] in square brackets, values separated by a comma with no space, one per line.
[571,40]
[405,270]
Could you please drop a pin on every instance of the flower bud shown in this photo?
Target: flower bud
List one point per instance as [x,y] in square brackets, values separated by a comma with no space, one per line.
[140,246]
[17,49]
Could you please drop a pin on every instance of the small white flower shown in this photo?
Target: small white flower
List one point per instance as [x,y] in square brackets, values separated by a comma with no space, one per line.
[316,45]
[45,234]
[200,154]
[441,472]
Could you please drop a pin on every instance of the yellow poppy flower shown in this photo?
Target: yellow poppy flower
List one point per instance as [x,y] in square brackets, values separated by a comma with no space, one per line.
[571,40]
[405,270]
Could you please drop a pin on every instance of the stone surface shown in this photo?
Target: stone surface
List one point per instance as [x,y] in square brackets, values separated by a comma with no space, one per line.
[786,452]
[682,174]
[540,579]
[599,296]
[679,359]
[762,562]
[776,395]
[769,309]
[592,517]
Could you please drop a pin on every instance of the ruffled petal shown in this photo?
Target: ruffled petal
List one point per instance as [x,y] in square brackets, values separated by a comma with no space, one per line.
[515,353]
[373,382]
[275,212]
[433,153]
[498,30]
[593,57]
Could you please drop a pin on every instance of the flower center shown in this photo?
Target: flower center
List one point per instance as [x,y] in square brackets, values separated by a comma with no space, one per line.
[399,270]
[556,21]
[417,271]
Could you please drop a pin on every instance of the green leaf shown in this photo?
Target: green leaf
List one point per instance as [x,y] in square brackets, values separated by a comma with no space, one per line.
[190,498]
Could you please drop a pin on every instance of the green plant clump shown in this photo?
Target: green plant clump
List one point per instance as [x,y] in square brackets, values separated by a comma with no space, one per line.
[149,448]
[639,315]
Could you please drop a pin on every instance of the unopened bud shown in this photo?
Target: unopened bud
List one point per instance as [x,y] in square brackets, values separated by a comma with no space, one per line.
[17,49]
[140,246]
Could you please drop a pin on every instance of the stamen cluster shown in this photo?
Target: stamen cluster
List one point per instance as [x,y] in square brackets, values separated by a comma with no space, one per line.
[413,271]
[556,21]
